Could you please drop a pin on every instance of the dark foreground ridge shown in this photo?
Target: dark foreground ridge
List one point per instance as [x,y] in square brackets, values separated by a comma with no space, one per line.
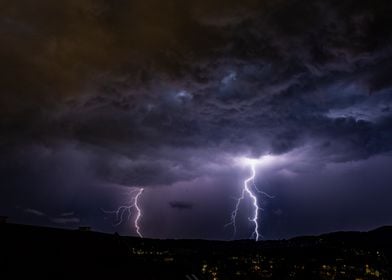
[30,252]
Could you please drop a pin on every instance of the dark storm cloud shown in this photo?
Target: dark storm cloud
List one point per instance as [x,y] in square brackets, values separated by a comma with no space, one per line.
[34,212]
[344,196]
[153,93]
[143,71]
[181,205]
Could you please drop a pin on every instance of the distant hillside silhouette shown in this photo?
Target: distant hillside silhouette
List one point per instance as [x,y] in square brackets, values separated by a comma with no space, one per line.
[32,251]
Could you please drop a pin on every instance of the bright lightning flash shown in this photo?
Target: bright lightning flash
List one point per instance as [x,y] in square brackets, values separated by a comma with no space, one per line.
[139,212]
[248,189]
[124,212]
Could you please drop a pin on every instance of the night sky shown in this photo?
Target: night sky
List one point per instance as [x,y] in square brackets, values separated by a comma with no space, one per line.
[100,97]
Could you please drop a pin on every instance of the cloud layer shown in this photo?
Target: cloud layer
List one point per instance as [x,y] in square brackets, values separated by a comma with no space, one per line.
[100,96]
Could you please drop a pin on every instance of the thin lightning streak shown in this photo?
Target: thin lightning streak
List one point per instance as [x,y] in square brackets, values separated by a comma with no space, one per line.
[234,213]
[247,190]
[126,210]
[254,199]
[262,192]
[139,212]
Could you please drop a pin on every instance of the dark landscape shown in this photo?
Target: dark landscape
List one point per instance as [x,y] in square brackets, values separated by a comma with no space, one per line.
[39,252]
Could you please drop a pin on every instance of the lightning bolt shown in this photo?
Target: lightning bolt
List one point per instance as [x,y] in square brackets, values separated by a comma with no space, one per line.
[124,212]
[139,212]
[248,190]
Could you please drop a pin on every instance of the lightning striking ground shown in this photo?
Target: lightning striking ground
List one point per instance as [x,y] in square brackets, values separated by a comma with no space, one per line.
[139,212]
[248,191]
[126,210]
